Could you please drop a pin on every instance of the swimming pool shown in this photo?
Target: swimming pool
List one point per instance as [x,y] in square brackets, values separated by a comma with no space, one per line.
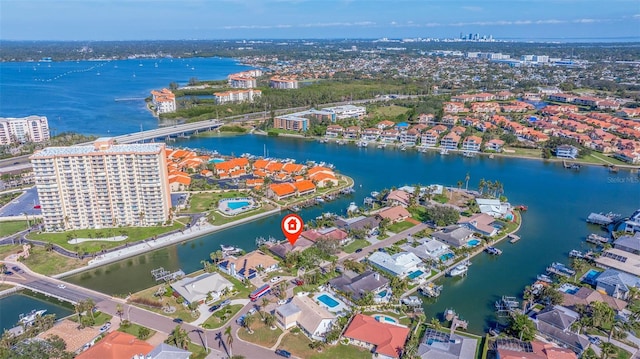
[446,257]
[416,274]
[217,160]
[382,294]
[473,242]
[590,276]
[568,288]
[328,301]
[384,318]
[237,204]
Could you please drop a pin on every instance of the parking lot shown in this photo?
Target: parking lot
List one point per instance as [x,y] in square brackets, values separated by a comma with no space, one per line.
[23,205]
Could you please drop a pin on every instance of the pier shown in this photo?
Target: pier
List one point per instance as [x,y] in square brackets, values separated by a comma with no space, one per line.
[560,269]
[161,274]
[513,238]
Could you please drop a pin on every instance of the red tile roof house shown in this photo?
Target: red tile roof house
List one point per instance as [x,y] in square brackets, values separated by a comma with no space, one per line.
[395,214]
[472,143]
[494,145]
[385,340]
[334,131]
[398,197]
[480,223]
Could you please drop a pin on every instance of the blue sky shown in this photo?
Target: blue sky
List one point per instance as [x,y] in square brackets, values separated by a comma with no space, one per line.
[295,19]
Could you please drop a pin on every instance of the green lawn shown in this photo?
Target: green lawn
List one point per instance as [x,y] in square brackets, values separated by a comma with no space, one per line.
[100,318]
[133,234]
[298,345]
[181,312]
[50,263]
[12,227]
[606,159]
[419,213]
[400,226]
[134,329]
[206,201]
[198,351]
[262,335]
[357,244]
[390,111]
[222,316]
[525,152]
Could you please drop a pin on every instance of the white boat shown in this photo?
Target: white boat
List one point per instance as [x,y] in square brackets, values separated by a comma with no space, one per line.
[31,316]
[353,207]
[544,278]
[468,154]
[458,270]
[444,151]
[230,249]
[412,301]
[493,250]
[430,290]
[403,148]
[319,199]
[375,194]
[362,143]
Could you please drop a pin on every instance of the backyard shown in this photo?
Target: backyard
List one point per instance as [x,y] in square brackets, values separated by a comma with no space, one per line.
[298,345]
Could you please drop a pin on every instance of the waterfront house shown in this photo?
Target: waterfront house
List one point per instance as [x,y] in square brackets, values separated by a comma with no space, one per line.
[494,145]
[304,187]
[385,340]
[352,133]
[280,191]
[454,235]
[389,136]
[480,223]
[314,320]
[446,345]
[291,122]
[555,323]
[628,243]
[356,286]
[430,250]
[371,134]
[116,345]
[493,207]
[334,131]
[619,260]
[632,225]
[166,351]
[471,143]
[398,197]
[331,233]
[429,138]
[516,349]
[400,264]
[248,265]
[566,151]
[585,296]
[369,224]
[410,137]
[616,283]
[282,249]
[450,141]
[74,337]
[164,101]
[196,289]
[395,214]
[323,179]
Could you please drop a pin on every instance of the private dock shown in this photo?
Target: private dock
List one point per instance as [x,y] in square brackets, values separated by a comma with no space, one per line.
[597,239]
[430,290]
[603,219]
[506,304]
[513,238]
[560,269]
[165,275]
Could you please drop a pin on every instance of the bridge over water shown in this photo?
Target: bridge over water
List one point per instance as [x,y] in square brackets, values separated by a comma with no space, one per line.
[166,134]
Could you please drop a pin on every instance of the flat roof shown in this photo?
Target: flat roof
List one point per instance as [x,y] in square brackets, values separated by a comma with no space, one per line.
[90,149]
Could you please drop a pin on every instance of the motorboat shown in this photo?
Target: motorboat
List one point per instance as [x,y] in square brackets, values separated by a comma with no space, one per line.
[31,316]
[458,270]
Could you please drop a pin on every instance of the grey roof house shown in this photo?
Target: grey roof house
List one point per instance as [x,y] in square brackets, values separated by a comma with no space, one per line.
[359,285]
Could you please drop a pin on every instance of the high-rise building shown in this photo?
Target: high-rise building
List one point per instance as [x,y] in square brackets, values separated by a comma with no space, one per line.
[102,185]
[23,130]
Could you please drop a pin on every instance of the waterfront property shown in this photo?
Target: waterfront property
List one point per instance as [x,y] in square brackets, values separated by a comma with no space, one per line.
[117,345]
[616,284]
[234,206]
[585,296]
[395,214]
[76,339]
[102,185]
[400,264]
[493,207]
[330,303]
[164,101]
[431,250]
[454,235]
[357,286]
[480,223]
[438,345]
[197,289]
[555,323]
[23,130]
[566,151]
[384,339]
[302,311]
[516,349]
[248,265]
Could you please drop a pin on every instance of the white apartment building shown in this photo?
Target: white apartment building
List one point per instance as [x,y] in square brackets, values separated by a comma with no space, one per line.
[277,82]
[164,101]
[347,111]
[23,130]
[236,96]
[102,185]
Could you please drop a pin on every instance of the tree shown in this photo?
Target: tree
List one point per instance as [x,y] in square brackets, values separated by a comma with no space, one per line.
[227,332]
[269,320]
[607,349]
[520,326]
[143,333]
[466,181]
[435,324]
[179,337]
[552,295]
[248,322]
[3,267]
[601,314]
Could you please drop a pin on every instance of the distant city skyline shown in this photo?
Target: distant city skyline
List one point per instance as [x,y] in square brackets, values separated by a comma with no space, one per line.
[317,19]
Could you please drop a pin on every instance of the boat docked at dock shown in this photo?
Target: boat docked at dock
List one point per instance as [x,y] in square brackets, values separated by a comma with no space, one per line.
[544,278]
[469,154]
[574,253]
[362,143]
[493,250]
[459,270]
[430,290]
[31,316]
[513,238]
[230,249]
[560,269]
[412,301]
[597,239]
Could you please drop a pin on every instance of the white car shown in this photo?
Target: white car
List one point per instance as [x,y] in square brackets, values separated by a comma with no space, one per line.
[282,301]
[275,279]
[62,286]
[252,311]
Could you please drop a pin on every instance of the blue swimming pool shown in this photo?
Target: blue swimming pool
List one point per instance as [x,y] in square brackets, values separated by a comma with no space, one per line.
[384,318]
[328,301]
[217,160]
[416,274]
[473,242]
[591,276]
[237,204]
[446,257]
[382,294]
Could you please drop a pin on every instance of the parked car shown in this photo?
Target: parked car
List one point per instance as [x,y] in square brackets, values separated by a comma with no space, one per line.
[358,250]
[105,327]
[177,320]
[595,340]
[214,307]
[282,301]
[240,319]
[275,279]
[16,269]
[283,353]
[225,303]
[252,311]
[8,272]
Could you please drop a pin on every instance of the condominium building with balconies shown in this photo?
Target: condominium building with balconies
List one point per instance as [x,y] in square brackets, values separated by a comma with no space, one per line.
[102,185]
[23,130]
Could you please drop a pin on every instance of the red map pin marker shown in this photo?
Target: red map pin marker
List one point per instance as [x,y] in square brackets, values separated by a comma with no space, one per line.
[292,225]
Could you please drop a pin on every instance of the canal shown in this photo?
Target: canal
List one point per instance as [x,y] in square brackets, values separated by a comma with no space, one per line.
[558,199]
[24,302]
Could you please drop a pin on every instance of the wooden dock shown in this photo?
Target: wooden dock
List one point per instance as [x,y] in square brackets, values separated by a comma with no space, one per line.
[161,274]
[513,238]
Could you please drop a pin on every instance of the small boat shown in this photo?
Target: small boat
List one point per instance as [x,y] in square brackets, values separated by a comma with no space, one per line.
[468,154]
[430,290]
[597,239]
[560,269]
[353,207]
[319,199]
[459,270]
[449,314]
[522,208]
[294,209]
[31,316]
[444,151]
[576,254]
[412,301]
[493,250]
[403,148]
[230,249]
[544,278]
[375,194]
[362,143]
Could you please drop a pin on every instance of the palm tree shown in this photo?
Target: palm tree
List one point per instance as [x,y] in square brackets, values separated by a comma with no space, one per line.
[459,184]
[607,349]
[466,180]
[119,311]
[265,302]
[179,337]
[435,323]
[248,322]
[481,185]
[227,332]
[269,320]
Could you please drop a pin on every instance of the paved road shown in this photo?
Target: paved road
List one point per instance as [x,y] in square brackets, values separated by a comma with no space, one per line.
[385,243]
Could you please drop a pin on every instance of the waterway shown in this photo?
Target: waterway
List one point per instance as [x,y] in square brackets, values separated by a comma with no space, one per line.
[12,306]
[80,96]
[558,199]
